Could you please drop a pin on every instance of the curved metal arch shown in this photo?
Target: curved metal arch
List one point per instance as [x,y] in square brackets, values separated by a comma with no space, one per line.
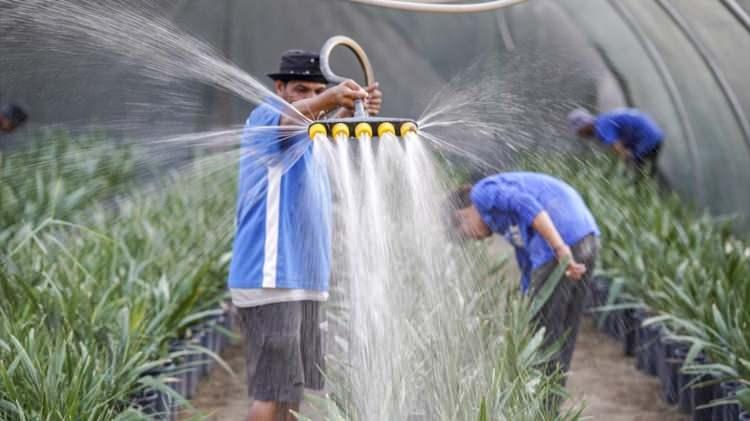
[738,12]
[703,51]
[666,76]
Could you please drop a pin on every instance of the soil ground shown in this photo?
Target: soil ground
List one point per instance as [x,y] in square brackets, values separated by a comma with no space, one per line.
[609,385]
[601,377]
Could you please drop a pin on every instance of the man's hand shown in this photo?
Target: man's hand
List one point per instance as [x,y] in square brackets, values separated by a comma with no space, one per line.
[574,271]
[375,99]
[621,150]
[345,93]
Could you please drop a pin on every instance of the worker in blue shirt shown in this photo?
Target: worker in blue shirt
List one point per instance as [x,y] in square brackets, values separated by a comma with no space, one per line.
[633,135]
[281,255]
[547,222]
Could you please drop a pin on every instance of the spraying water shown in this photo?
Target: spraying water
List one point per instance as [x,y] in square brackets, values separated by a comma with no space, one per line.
[397,277]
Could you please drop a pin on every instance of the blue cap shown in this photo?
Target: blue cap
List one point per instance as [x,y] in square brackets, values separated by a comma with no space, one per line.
[580,118]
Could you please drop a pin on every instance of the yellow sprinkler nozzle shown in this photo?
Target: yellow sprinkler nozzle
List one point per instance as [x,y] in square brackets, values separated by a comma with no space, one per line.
[407,128]
[317,129]
[385,129]
[340,129]
[362,129]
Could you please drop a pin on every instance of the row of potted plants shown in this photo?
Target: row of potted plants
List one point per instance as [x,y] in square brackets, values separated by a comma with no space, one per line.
[657,353]
[110,293]
[680,273]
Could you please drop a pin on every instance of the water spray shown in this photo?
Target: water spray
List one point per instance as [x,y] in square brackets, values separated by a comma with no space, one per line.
[362,124]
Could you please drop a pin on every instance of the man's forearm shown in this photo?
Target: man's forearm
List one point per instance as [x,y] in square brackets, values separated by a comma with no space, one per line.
[543,224]
[310,108]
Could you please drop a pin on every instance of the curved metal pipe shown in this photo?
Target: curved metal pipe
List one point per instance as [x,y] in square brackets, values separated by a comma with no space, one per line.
[414,6]
[359,52]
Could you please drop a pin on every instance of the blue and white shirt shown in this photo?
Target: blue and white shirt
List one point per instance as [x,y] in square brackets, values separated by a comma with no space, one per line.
[509,203]
[283,237]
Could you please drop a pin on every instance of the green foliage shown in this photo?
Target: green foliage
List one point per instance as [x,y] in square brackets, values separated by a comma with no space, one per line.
[88,307]
[483,411]
[57,176]
[687,268]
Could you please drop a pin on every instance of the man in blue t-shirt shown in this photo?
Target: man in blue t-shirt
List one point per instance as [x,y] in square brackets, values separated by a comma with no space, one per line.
[282,248]
[631,133]
[546,221]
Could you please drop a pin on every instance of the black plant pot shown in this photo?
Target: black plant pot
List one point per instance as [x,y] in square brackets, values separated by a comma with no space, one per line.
[228,314]
[196,360]
[653,333]
[181,375]
[600,289]
[599,294]
[630,325]
[588,299]
[703,395]
[684,398]
[730,412]
[147,401]
[669,366]
[154,403]
[678,352]
[209,339]
[615,324]
[193,374]
[221,339]
[640,348]
[684,381]
[203,339]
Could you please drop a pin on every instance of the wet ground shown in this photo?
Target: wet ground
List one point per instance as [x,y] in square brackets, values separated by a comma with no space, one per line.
[601,377]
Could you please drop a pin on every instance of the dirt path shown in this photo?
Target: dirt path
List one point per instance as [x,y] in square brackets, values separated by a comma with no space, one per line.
[600,376]
[609,385]
[223,397]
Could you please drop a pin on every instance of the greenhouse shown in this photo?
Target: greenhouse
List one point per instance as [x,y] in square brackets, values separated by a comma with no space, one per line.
[374,210]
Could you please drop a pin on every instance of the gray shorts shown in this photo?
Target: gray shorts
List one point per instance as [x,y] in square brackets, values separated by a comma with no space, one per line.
[284,351]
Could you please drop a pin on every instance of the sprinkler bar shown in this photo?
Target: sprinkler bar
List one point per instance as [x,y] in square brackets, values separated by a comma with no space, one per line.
[357,127]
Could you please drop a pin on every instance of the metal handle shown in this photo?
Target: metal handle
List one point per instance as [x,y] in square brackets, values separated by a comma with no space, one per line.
[359,52]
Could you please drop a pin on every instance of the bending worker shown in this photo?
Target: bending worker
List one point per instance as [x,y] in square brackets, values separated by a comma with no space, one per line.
[633,135]
[546,221]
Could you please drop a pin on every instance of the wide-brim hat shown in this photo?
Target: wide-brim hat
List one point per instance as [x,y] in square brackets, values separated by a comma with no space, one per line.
[299,65]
